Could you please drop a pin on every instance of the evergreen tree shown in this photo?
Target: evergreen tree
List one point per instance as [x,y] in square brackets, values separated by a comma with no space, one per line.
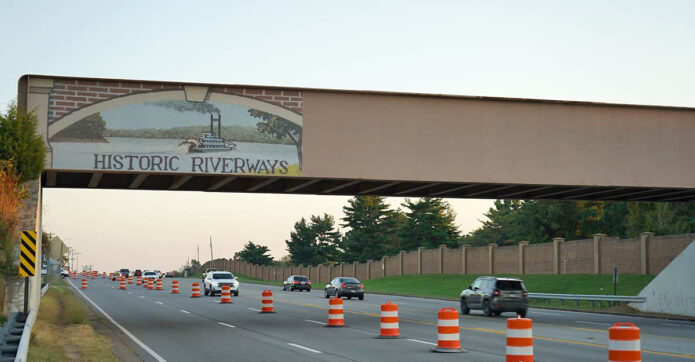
[368,218]
[429,223]
[20,143]
[315,242]
[254,254]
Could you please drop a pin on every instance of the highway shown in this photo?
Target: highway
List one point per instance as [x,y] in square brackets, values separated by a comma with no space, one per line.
[175,327]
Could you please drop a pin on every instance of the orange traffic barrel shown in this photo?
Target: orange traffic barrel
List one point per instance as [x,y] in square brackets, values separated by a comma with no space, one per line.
[448,338]
[267,302]
[138,280]
[174,287]
[84,283]
[388,328]
[159,284]
[150,284]
[104,275]
[624,343]
[130,279]
[519,340]
[122,281]
[196,290]
[226,294]
[145,283]
[336,317]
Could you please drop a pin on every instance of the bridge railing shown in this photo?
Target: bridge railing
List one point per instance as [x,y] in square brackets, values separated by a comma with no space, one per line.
[593,298]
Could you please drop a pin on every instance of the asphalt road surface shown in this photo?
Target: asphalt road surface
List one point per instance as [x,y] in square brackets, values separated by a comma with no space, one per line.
[161,326]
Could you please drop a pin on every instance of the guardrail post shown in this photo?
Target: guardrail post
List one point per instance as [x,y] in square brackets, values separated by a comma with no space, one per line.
[522,256]
[557,243]
[643,243]
[597,252]
[491,257]
[464,252]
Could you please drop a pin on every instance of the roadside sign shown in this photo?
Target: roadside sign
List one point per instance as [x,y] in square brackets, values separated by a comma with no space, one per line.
[27,253]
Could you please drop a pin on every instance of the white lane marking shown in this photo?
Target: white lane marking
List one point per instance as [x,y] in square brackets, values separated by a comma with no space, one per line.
[304,348]
[127,333]
[309,320]
[670,324]
[159,302]
[424,342]
[185,311]
[600,324]
[142,297]
[256,310]
[130,292]
[226,325]
[555,314]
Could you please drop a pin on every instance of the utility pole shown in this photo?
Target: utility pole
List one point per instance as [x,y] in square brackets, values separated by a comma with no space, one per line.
[211,258]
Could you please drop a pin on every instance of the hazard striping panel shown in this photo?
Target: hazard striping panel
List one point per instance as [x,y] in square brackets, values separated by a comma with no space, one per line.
[27,253]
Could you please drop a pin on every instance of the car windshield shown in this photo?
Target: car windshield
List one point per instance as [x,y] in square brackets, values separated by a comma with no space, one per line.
[350,280]
[149,273]
[222,276]
[510,285]
[301,279]
[124,270]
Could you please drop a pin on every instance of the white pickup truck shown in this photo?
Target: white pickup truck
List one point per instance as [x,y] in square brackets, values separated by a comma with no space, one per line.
[214,281]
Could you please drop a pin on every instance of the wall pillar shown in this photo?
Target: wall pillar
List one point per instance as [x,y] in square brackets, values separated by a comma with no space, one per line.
[597,252]
[491,258]
[464,253]
[522,257]
[557,245]
[369,269]
[441,258]
[644,258]
[419,259]
[383,267]
[400,262]
[354,269]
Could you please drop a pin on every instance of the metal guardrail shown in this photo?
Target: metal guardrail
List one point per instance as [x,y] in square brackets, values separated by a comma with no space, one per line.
[593,298]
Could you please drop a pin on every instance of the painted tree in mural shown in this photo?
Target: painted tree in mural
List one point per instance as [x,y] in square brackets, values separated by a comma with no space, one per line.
[279,128]
[314,242]
[369,237]
[254,254]
[88,128]
[429,223]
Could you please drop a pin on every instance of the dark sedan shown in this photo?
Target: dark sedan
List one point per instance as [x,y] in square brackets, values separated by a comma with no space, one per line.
[344,287]
[297,282]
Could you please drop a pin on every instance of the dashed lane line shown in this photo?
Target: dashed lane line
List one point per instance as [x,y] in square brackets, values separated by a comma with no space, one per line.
[185,311]
[226,325]
[304,348]
[142,297]
[423,342]
[159,302]
[317,322]
[254,309]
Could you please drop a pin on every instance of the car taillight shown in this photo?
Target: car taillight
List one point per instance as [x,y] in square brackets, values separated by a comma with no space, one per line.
[525,293]
[309,282]
[496,292]
[342,285]
[296,282]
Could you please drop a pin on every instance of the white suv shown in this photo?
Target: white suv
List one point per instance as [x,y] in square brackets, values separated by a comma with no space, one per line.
[215,280]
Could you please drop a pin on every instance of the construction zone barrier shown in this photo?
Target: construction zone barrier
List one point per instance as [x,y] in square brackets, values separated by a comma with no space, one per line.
[448,338]
[138,280]
[225,294]
[388,327]
[159,284]
[174,287]
[267,302]
[150,284]
[145,283]
[122,282]
[624,343]
[130,279]
[196,290]
[84,283]
[336,317]
[103,275]
[519,340]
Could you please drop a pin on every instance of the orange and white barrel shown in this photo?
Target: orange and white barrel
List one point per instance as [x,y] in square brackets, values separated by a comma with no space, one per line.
[150,284]
[267,302]
[336,317]
[388,327]
[138,280]
[159,284]
[196,290]
[624,343]
[104,275]
[174,287]
[145,283]
[122,281]
[226,294]
[448,338]
[84,283]
[130,279]
[519,340]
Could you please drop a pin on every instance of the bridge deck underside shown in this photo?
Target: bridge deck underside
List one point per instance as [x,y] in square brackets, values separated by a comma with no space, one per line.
[324,186]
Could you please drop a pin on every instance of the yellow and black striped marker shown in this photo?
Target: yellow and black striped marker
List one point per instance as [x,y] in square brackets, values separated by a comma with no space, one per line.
[27,253]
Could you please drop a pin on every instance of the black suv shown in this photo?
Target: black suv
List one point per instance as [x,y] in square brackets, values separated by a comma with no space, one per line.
[495,295]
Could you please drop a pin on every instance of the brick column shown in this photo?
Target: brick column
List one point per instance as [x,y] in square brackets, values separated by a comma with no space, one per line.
[644,257]
[557,244]
[491,257]
[419,259]
[441,258]
[464,252]
[522,257]
[400,262]
[597,252]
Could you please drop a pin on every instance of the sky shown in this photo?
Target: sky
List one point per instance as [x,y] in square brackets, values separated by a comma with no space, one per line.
[638,52]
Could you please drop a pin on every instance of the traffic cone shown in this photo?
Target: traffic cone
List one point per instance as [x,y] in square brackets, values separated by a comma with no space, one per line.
[267,302]
[624,343]
[159,284]
[388,328]
[130,279]
[84,283]
[448,339]
[138,280]
[122,281]
[174,287]
[226,295]
[336,317]
[519,340]
[196,290]
[150,284]
[145,283]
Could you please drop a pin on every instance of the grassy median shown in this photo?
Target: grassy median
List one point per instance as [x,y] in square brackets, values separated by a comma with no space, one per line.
[62,331]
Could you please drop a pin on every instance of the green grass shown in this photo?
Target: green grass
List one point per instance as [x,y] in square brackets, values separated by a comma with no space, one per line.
[450,286]
[246,279]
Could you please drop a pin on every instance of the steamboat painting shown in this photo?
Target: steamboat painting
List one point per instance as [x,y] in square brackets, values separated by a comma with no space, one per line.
[168,132]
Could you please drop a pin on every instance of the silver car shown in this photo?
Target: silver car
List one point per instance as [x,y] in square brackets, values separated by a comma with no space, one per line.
[215,280]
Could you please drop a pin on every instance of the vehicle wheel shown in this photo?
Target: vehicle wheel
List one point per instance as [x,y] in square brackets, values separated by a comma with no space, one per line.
[349,297]
[497,314]
[325,293]
[236,294]
[205,291]
[464,307]
[361,297]
[308,290]
[522,313]
[486,308]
